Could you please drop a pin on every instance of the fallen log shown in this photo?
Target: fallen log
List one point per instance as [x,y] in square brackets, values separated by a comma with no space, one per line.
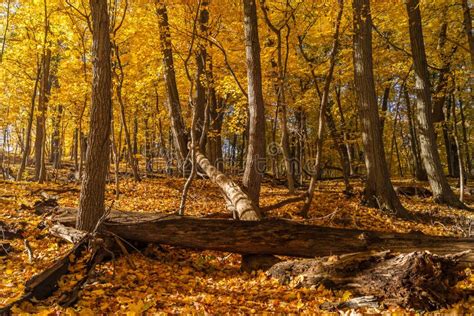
[419,280]
[45,283]
[413,191]
[238,201]
[267,236]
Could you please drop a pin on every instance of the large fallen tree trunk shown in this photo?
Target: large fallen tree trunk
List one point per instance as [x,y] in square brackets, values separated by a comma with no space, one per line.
[419,280]
[268,236]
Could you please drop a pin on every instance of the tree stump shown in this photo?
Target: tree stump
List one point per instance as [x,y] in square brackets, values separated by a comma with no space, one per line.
[419,280]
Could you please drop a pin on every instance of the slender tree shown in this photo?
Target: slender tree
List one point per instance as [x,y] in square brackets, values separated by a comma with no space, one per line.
[281,70]
[178,128]
[324,110]
[27,146]
[91,205]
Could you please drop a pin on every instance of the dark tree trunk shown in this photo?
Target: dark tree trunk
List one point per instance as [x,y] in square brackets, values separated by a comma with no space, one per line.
[130,150]
[450,144]
[200,78]
[344,131]
[468,28]
[384,107]
[91,204]
[255,162]
[379,191]
[465,139]
[40,140]
[216,116]
[27,149]
[442,192]
[280,74]
[420,173]
[135,133]
[56,138]
[174,108]
[75,149]
[341,149]
[323,112]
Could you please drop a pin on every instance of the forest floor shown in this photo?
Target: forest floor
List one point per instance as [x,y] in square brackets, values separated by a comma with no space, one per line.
[174,280]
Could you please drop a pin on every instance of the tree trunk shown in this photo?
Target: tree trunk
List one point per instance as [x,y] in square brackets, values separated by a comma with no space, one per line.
[5,30]
[174,108]
[120,77]
[459,156]
[280,74]
[56,138]
[341,149]
[379,191]
[468,28]
[239,202]
[255,162]
[267,236]
[323,110]
[442,192]
[465,139]
[384,107]
[40,140]
[450,143]
[27,149]
[91,204]
[420,173]
[344,131]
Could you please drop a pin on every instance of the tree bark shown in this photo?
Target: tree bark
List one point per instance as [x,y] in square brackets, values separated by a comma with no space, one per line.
[419,280]
[465,139]
[178,128]
[442,192]
[280,92]
[120,76]
[255,162]
[384,107]
[379,191]
[468,28]
[239,202]
[27,149]
[420,173]
[40,140]
[91,204]
[267,236]
[56,138]
[323,112]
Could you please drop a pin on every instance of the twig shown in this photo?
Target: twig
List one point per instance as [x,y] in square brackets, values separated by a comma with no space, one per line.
[125,252]
[28,250]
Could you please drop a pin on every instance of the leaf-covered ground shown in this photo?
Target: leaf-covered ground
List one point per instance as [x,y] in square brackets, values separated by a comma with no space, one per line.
[173,280]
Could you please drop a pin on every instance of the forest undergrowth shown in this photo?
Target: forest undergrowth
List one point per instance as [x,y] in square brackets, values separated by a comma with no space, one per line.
[166,279]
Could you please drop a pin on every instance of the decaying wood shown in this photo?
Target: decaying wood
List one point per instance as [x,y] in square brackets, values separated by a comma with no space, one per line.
[413,191]
[419,280]
[70,234]
[8,232]
[45,283]
[5,248]
[353,303]
[268,236]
